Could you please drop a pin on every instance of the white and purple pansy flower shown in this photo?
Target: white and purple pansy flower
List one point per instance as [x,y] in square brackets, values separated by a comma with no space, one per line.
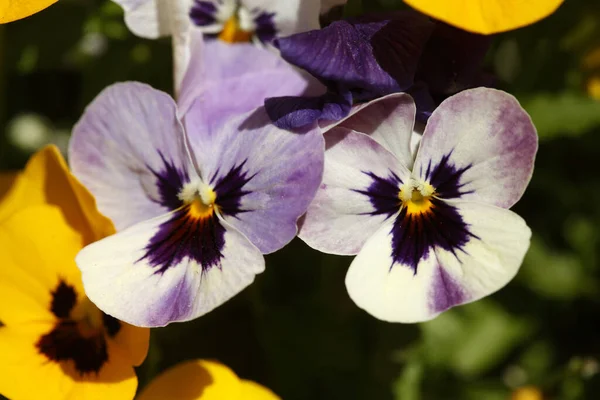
[231,20]
[196,201]
[359,60]
[431,230]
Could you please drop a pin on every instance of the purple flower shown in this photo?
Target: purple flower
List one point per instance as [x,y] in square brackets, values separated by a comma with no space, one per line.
[431,230]
[197,195]
[360,60]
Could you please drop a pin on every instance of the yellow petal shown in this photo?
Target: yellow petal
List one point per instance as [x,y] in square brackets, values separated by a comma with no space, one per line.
[7,179]
[194,380]
[133,341]
[487,16]
[38,250]
[47,180]
[254,391]
[11,10]
[26,374]
[527,393]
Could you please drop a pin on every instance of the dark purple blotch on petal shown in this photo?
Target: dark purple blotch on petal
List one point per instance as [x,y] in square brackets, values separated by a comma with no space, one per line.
[170,180]
[383,193]
[415,234]
[446,178]
[203,13]
[265,27]
[230,189]
[186,236]
[446,292]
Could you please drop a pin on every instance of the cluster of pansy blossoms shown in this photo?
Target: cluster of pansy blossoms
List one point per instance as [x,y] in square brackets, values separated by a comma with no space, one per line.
[378,136]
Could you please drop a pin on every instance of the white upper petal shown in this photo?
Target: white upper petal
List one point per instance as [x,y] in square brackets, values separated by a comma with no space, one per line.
[122,284]
[487,132]
[154,18]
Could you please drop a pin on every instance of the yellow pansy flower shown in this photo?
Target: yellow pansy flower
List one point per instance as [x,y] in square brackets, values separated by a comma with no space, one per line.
[11,10]
[54,343]
[487,16]
[203,380]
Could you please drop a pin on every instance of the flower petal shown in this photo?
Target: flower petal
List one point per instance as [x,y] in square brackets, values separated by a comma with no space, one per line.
[390,121]
[46,180]
[7,180]
[359,192]
[39,245]
[196,379]
[14,10]
[487,16]
[154,18]
[289,16]
[443,278]
[486,136]
[22,364]
[151,275]
[129,150]
[266,176]
[377,57]
[254,391]
[234,79]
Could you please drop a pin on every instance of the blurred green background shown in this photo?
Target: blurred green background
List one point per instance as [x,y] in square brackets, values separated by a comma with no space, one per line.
[296,330]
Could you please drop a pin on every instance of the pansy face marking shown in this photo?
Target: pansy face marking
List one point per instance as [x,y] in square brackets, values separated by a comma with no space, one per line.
[194,230]
[431,230]
[232,21]
[196,199]
[422,220]
[79,334]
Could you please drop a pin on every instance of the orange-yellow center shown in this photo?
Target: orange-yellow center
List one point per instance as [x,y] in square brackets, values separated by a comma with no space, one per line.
[417,198]
[232,32]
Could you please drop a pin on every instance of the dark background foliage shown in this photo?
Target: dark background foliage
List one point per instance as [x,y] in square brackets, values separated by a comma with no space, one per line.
[295,330]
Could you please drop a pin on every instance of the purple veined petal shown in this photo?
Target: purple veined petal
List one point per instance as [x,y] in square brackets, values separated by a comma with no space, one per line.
[376,57]
[288,17]
[169,269]
[293,112]
[411,271]
[129,150]
[154,18]
[486,144]
[360,188]
[234,79]
[264,177]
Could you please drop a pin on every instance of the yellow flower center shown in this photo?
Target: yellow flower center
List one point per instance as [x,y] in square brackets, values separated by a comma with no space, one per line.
[233,33]
[200,199]
[416,197]
[88,318]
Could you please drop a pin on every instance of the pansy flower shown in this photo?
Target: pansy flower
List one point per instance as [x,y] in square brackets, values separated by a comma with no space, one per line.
[203,380]
[488,16]
[11,10]
[230,20]
[54,342]
[362,59]
[431,230]
[196,200]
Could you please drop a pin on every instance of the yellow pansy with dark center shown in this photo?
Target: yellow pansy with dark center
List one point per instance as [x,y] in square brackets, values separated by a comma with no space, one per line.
[51,333]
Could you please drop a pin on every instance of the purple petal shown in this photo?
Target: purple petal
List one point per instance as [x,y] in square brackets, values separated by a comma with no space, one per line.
[298,112]
[377,57]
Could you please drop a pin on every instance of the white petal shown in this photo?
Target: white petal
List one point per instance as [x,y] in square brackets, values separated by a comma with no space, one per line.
[340,219]
[154,18]
[394,292]
[489,135]
[122,283]
[291,16]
